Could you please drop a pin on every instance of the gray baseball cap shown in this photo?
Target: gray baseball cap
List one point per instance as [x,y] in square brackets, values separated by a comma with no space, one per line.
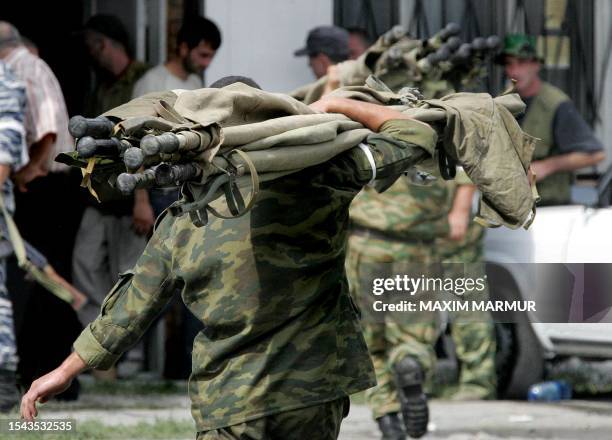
[330,40]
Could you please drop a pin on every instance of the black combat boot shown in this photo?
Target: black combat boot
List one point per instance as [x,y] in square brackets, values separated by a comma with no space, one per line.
[9,396]
[409,378]
[391,427]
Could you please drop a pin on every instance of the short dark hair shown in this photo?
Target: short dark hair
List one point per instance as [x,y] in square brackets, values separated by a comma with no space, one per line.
[111,27]
[228,80]
[197,29]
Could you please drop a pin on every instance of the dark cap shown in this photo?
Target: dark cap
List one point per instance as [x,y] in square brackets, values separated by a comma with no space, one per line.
[330,40]
[109,26]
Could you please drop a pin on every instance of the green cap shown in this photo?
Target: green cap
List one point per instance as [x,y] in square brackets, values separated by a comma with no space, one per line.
[520,46]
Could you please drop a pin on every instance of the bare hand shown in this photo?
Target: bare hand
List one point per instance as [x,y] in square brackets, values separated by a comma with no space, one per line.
[26,174]
[43,389]
[458,223]
[333,79]
[143,217]
[321,105]
[540,169]
[329,104]
[78,300]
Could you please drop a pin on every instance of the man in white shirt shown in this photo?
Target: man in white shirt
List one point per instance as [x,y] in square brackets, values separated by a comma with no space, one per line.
[196,45]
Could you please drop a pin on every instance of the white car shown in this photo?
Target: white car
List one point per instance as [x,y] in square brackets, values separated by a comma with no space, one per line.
[570,321]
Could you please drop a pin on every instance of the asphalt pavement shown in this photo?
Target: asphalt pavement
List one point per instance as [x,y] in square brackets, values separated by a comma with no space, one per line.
[490,420]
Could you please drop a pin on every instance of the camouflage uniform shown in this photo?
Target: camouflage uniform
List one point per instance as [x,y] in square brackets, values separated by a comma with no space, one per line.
[393,234]
[473,332]
[280,330]
[13,153]
[303,423]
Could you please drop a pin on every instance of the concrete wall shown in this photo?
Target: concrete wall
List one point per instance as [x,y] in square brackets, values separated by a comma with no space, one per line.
[259,38]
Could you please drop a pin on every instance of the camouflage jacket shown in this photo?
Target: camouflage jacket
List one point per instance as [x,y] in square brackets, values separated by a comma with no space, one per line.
[280,330]
[405,211]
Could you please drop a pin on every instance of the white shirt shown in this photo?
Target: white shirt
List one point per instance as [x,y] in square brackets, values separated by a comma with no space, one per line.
[159,78]
[45,110]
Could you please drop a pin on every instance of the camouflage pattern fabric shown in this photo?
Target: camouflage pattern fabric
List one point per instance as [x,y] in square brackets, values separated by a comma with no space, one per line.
[392,336]
[13,152]
[280,330]
[411,216]
[318,422]
[8,346]
[473,332]
[404,211]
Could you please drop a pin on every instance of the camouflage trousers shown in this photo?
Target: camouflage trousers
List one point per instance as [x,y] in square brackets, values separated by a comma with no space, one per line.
[391,336]
[8,346]
[473,332]
[319,422]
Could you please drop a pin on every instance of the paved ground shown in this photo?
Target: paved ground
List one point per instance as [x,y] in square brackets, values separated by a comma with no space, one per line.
[449,420]
[500,419]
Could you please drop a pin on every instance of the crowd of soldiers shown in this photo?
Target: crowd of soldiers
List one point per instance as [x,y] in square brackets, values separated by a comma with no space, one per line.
[280,345]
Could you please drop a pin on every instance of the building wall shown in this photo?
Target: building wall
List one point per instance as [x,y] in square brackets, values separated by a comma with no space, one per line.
[259,38]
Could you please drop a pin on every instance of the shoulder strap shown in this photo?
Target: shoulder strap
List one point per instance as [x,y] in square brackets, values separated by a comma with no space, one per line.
[22,259]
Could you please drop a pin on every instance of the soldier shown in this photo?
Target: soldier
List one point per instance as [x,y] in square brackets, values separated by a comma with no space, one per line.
[410,230]
[111,235]
[282,347]
[566,141]
[417,230]
[392,234]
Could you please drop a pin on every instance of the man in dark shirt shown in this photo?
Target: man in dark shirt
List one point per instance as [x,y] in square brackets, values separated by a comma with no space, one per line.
[112,235]
[566,143]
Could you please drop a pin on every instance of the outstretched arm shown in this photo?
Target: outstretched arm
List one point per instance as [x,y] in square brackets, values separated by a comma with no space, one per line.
[400,143]
[372,116]
[127,311]
[566,162]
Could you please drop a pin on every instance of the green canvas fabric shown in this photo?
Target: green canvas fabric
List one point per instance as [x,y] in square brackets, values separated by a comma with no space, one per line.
[281,135]
[494,152]
[480,132]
